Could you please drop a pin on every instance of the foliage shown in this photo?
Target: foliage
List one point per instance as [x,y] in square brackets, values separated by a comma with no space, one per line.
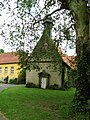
[83,86]
[83,51]
[24,59]
[31,85]
[27,4]
[79,116]
[21,103]
[45,52]
[6,79]
[1,81]
[25,27]
[66,84]
[54,87]
[1,51]
[72,77]
[13,81]
[22,77]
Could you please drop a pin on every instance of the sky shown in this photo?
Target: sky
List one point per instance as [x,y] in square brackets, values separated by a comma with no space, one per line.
[7,48]
[3,46]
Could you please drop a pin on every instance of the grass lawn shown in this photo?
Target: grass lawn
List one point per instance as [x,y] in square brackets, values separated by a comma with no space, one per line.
[21,103]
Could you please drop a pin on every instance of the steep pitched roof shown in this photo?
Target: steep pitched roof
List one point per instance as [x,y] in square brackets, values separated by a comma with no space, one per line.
[10,57]
[46,49]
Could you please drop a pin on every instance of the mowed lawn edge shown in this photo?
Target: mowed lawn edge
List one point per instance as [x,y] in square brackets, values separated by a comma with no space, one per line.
[21,103]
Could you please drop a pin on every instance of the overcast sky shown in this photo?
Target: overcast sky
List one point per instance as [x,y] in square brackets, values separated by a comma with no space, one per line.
[7,48]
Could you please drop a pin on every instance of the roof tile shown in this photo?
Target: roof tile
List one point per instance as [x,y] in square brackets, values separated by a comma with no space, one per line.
[9,57]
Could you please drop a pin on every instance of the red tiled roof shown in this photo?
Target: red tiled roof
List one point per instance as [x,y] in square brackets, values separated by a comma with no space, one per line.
[70,61]
[10,57]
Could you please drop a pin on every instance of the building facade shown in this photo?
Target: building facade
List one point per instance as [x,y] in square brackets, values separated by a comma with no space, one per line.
[9,66]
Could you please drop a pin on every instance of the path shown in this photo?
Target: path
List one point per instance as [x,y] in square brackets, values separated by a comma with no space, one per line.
[5,86]
[2,117]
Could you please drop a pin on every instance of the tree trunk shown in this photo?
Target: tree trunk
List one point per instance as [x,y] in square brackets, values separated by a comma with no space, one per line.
[81,16]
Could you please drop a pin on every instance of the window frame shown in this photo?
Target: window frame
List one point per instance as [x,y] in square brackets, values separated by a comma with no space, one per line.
[5,70]
[12,70]
[0,70]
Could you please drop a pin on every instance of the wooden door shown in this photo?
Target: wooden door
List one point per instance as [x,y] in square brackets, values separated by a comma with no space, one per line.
[43,83]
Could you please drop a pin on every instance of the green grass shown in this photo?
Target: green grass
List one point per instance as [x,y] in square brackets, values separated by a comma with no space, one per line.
[20,103]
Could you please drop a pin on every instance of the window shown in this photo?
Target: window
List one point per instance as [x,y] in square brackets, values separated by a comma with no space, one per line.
[12,70]
[6,70]
[0,70]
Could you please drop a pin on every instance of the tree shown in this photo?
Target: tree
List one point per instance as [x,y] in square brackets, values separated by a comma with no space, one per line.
[80,12]
[1,51]
[77,12]
[24,23]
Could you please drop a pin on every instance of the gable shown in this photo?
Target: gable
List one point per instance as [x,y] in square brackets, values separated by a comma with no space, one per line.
[45,49]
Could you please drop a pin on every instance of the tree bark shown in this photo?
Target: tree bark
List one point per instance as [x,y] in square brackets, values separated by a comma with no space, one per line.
[81,17]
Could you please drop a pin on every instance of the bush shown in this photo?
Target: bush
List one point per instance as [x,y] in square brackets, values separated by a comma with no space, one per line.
[79,116]
[31,85]
[22,77]
[13,81]
[67,85]
[54,87]
[6,79]
[1,81]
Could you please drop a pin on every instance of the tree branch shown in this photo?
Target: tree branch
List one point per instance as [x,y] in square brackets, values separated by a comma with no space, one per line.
[48,15]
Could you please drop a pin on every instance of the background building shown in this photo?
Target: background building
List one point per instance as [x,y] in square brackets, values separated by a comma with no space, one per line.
[9,66]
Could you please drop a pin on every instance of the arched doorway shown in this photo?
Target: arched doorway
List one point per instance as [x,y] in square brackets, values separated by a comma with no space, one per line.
[44,78]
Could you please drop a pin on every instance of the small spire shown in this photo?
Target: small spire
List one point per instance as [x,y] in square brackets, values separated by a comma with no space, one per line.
[48,19]
[48,23]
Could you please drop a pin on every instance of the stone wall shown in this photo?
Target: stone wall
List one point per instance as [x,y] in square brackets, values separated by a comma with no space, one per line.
[55,75]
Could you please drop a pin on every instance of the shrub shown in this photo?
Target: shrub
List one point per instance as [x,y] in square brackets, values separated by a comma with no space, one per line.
[79,116]
[6,79]
[22,77]
[67,84]
[31,85]
[54,87]
[1,81]
[13,81]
